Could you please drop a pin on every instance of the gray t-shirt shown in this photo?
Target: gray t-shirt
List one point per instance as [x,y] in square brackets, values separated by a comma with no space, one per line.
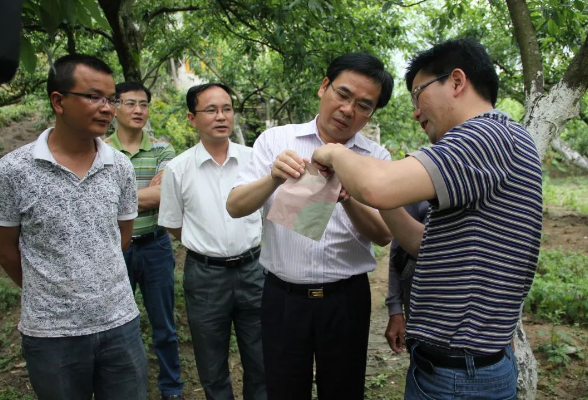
[74,276]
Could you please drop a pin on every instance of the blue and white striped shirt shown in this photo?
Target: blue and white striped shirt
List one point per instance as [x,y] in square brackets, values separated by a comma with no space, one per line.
[479,251]
[342,251]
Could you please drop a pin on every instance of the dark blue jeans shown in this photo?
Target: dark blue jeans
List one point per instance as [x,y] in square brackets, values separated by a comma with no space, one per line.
[151,265]
[112,365]
[494,382]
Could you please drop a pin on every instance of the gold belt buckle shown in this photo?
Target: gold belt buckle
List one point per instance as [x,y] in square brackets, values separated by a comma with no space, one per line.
[316,293]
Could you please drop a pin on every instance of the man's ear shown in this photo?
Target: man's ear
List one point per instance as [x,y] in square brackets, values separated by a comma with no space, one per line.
[459,81]
[56,99]
[323,87]
[192,119]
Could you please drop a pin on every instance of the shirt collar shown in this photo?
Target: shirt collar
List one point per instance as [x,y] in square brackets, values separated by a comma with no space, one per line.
[202,155]
[310,128]
[41,149]
[145,145]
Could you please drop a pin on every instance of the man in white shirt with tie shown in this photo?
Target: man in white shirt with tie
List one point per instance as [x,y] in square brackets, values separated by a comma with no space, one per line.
[223,280]
[316,301]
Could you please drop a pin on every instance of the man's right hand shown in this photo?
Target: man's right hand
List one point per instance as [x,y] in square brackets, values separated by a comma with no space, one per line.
[287,164]
[395,333]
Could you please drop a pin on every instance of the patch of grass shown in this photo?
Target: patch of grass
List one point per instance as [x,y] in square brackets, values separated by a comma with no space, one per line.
[9,294]
[14,113]
[560,287]
[386,385]
[570,193]
[380,251]
[9,393]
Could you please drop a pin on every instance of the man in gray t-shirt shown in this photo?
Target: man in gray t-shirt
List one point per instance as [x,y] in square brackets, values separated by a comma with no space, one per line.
[67,204]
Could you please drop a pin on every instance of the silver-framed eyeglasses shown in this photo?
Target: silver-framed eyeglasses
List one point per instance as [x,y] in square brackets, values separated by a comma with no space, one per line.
[226,110]
[359,106]
[97,99]
[131,104]
[416,92]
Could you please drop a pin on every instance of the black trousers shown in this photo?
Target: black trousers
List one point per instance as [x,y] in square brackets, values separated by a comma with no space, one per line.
[333,330]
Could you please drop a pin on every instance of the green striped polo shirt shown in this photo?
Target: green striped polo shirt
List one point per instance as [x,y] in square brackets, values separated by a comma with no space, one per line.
[151,157]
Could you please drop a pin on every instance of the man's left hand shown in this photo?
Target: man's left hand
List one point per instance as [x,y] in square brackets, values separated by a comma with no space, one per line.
[156,180]
[323,155]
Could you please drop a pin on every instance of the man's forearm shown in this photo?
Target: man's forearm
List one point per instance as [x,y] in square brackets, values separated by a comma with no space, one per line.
[378,183]
[176,233]
[368,222]
[246,199]
[149,197]
[405,229]
[11,262]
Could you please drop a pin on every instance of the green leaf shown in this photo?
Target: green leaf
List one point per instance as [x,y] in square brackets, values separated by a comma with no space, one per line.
[386,6]
[552,28]
[82,13]
[92,7]
[49,23]
[28,57]
[51,7]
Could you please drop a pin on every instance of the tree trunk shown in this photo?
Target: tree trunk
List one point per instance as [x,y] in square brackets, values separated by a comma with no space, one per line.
[126,36]
[527,380]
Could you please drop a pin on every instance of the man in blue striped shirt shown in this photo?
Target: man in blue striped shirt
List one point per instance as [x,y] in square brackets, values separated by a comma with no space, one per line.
[477,251]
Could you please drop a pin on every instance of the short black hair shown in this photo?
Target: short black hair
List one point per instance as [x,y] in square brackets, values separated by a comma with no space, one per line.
[365,64]
[124,87]
[194,91]
[61,75]
[466,54]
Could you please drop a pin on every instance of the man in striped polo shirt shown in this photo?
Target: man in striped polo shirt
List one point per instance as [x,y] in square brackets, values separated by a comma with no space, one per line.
[150,260]
[477,251]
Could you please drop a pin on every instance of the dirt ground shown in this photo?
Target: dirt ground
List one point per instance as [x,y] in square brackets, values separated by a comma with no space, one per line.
[385,372]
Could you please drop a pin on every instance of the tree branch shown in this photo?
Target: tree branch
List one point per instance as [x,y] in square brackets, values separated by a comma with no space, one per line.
[39,28]
[576,74]
[526,36]
[571,155]
[167,10]
[401,4]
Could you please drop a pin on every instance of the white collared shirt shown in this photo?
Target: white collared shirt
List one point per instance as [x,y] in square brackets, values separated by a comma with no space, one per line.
[75,280]
[342,251]
[194,194]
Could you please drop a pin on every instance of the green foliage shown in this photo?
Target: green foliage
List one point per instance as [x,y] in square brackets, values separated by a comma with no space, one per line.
[569,193]
[9,294]
[168,117]
[10,393]
[13,113]
[560,343]
[560,287]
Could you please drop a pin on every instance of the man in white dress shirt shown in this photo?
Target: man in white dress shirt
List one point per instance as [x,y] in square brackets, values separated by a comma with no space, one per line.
[316,302]
[223,280]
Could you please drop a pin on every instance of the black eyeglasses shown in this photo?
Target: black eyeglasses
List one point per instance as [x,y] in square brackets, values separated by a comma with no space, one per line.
[343,97]
[226,110]
[416,92]
[97,99]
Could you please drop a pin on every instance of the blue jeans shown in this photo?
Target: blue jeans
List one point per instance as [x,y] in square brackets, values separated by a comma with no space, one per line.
[151,265]
[494,382]
[111,364]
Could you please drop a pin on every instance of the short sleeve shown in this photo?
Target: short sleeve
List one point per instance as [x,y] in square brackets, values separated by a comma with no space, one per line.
[171,205]
[467,164]
[260,163]
[128,202]
[166,155]
[9,215]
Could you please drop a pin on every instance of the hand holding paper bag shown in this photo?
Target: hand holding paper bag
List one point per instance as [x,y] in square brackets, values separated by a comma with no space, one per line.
[306,204]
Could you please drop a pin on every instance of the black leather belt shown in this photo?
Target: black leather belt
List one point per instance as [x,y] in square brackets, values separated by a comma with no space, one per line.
[313,291]
[427,355]
[148,237]
[229,262]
